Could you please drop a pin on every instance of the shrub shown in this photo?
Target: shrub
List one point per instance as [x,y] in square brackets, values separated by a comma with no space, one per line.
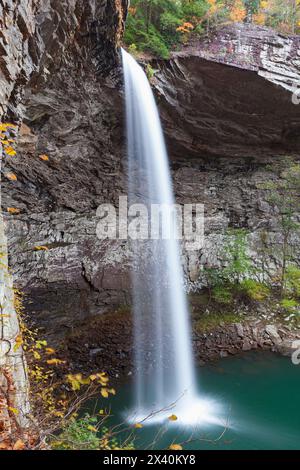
[88,433]
[132,49]
[292,280]
[254,290]
[150,72]
[78,434]
[289,305]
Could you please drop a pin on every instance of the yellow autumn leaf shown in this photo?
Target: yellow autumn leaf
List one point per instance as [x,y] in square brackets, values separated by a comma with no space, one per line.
[13,410]
[175,447]
[19,340]
[45,158]
[39,344]
[75,384]
[5,125]
[92,428]
[10,151]
[41,248]
[93,377]
[103,380]
[13,210]
[138,425]
[11,176]
[172,418]
[36,355]
[104,392]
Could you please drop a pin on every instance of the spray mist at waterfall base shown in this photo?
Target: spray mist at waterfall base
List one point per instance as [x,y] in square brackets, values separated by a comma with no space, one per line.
[188,412]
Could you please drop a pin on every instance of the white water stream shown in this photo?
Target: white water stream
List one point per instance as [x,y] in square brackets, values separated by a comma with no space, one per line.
[164,362]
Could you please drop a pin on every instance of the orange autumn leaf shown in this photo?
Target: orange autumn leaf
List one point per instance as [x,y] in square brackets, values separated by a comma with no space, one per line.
[19,445]
[45,158]
[55,362]
[11,176]
[188,25]
[18,342]
[132,10]
[175,447]
[238,12]
[5,445]
[13,210]
[50,351]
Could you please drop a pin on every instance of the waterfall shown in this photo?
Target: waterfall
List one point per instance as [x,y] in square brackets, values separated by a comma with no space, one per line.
[163,351]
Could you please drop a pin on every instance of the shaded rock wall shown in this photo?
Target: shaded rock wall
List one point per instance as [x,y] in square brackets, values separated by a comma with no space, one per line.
[60,74]
[242,109]
[38,37]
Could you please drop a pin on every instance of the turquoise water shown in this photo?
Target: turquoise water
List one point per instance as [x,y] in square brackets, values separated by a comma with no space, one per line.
[259,398]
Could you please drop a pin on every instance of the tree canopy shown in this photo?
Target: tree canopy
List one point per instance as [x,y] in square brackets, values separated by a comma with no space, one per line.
[159,26]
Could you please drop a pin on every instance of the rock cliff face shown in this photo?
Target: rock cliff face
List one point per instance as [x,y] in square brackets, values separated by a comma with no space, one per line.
[227,112]
[40,37]
[61,75]
[241,109]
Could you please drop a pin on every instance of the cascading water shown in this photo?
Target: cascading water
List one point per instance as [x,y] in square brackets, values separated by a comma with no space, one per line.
[163,352]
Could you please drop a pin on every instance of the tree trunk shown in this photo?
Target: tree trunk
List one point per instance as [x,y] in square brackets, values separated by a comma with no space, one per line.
[14,385]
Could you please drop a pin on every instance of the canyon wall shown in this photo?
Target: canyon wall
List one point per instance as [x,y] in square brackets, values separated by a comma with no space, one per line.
[226,106]
[38,38]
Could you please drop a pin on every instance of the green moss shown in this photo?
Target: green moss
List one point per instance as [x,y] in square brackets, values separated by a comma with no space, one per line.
[123,310]
[223,295]
[208,322]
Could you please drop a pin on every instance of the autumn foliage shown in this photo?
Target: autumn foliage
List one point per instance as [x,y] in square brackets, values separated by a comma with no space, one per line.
[160,26]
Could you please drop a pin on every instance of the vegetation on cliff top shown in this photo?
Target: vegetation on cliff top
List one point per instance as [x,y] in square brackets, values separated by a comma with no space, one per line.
[159,26]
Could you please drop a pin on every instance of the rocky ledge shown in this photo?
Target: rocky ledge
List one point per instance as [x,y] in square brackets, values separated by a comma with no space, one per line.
[105,343]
